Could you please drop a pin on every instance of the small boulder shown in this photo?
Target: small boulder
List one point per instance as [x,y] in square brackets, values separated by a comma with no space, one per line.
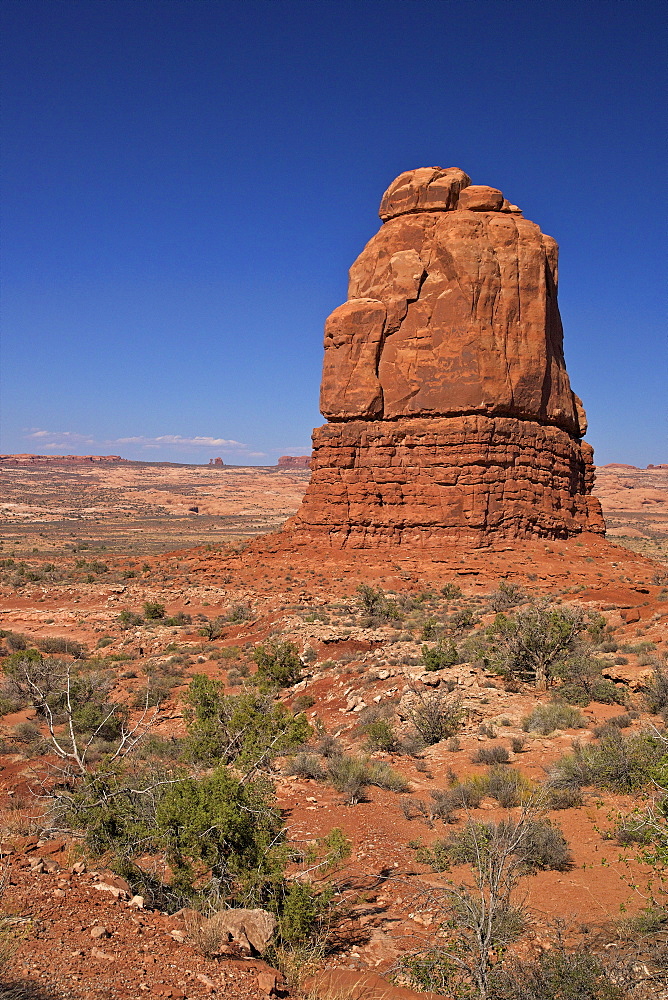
[250,930]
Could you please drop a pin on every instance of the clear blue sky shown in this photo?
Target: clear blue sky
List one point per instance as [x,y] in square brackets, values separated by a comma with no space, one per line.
[187,182]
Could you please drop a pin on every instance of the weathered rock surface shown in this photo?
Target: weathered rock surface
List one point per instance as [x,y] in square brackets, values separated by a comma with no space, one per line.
[294,462]
[249,930]
[444,383]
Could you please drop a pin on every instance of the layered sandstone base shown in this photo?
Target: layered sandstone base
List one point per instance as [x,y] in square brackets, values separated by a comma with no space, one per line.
[429,481]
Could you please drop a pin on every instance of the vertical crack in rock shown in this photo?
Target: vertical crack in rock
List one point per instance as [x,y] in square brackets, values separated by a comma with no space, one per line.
[450,410]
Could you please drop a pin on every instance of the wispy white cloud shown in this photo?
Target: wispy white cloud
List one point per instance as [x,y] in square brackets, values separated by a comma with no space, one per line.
[71,440]
[177,441]
[58,439]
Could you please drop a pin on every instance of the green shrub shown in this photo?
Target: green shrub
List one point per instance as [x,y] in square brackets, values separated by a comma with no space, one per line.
[62,644]
[508,595]
[153,610]
[302,910]
[531,644]
[451,591]
[129,619]
[435,715]
[248,728]
[544,719]
[381,736]
[278,665]
[375,606]
[305,765]
[509,787]
[491,755]
[556,975]
[617,762]
[443,654]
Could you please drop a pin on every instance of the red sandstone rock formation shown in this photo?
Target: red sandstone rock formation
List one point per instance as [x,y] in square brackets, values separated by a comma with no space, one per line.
[58,459]
[449,406]
[294,462]
[216,462]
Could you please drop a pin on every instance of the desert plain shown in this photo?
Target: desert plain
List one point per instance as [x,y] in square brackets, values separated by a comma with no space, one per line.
[87,550]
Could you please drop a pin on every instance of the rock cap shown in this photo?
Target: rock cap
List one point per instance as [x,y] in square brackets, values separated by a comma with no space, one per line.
[427,189]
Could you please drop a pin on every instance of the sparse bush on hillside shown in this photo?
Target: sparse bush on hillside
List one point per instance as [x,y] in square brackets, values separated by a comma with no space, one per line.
[129,619]
[239,613]
[278,665]
[509,787]
[306,765]
[541,847]
[582,681]
[508,595]
[352,775]
[61,644]
[349,775]
[564,798]
[435,715]
[213,629]
[617,762]
[381,736]
[656,690]
[375,607]
[479,917]
[451,591]
[247,729]
[16,641]
[531,644]
[544,719]
[556,974]
[153,610]
[443,654]
[491,755]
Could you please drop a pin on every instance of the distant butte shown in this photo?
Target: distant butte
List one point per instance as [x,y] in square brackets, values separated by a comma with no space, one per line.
[450,412]
[294,462]
[58,459]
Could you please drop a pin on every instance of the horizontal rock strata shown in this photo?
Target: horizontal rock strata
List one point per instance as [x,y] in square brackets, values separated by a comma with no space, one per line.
[428,481]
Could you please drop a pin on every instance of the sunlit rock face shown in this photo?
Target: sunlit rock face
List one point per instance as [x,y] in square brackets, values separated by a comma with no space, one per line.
[450,412]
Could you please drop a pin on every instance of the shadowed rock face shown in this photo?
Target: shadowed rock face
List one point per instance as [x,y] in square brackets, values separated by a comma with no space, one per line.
[449,406]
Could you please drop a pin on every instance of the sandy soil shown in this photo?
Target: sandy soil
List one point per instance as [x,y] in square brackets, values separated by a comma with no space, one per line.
[95,543]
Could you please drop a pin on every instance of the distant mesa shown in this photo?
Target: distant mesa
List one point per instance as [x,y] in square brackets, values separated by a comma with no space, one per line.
[450,412]
[216,462]
[58,459]
[294,462]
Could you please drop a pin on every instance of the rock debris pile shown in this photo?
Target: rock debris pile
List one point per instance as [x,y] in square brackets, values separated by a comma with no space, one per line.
[450,412]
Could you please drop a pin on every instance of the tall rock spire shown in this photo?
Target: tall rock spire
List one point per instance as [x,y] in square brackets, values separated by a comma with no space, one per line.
[450,412]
